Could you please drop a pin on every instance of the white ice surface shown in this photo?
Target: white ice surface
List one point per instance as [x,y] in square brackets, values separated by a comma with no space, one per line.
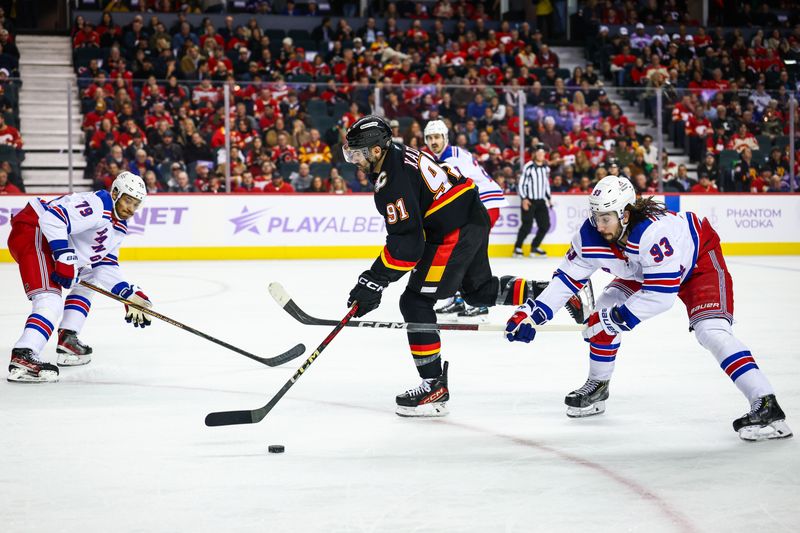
[120,445]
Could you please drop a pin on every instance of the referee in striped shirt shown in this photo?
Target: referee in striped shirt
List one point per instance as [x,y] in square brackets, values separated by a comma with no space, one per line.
[534,190]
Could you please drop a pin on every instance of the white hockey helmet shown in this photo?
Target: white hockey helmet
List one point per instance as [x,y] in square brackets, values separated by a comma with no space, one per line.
[436,126]
[432,128]
[612,194]
[130,184]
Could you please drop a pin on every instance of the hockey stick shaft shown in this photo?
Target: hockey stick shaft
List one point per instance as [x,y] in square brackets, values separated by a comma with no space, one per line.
[229,418]
[290,306]
[284,357]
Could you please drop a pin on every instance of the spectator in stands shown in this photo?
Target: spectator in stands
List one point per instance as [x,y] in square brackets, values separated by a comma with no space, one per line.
[317,185]
[705,185]
[778,163]
[642,185]
[698,128]
[248,184]
[623,152]
[301,178]
[743,139]
[151,183]
[9,65]
[744,172]
[202,174]
[761,182]
[710,168]
[9,135]
[216,184]
[86,37]
[558,184]
[338,186]
[772,121]
[760,99]
[717,141]
[7,187]
[776,184]
[315,150]
[197,150]
[549,135]
[362,183]
[170,179]
[640,39]
[168,149]
[283,152]
[277,185]
[141,163]
[546,57]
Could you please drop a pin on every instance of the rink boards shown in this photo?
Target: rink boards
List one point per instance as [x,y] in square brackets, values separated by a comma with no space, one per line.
[324,226]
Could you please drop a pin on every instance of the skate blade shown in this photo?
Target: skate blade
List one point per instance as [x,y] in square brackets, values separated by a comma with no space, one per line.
[776,430]
[70,359]
[426,410]
[19,375]
[597,408]
[479,314]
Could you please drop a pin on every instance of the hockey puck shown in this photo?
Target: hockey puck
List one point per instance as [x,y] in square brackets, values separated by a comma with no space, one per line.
[276,448]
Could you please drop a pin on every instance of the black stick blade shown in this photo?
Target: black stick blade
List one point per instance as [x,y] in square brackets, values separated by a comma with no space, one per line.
[229,418]
[285,357]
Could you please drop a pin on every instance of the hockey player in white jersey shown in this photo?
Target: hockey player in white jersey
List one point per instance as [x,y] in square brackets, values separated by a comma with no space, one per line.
[491,195]
[656,256]
[55,243]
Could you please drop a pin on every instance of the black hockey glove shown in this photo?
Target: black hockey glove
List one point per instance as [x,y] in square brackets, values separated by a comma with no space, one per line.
[367,293]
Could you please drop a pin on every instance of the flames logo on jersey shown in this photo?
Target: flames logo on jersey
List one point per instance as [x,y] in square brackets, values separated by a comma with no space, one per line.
[381,180]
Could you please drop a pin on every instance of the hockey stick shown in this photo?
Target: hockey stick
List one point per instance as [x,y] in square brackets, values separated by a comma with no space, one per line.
[290,306]
[279,359]
[229,418]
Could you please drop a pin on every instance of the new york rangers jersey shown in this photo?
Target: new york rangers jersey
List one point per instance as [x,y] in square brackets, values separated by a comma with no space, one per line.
[465,164]
[660,253]
[86,223]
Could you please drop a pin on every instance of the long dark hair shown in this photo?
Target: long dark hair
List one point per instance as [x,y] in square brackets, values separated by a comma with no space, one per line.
[644,208]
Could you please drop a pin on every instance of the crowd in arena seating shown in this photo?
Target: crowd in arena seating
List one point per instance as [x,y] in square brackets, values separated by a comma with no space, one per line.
[153,100]
[726,95]
[11,143]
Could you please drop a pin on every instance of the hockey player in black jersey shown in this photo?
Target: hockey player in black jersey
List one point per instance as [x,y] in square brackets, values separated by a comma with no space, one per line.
[437,229]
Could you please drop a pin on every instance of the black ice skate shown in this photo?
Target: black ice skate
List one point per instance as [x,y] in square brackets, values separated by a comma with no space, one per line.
[25,368]
[764,421]
[588,400]
[581,305]
[429,399]
[518,253]
[71,351]
[538,252]
[474,311]
[456,306]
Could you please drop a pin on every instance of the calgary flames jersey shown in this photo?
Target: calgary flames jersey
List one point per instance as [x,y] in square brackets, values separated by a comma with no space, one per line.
[420,201]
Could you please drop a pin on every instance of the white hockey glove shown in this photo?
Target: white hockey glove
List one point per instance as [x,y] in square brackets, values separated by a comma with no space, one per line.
[134,295]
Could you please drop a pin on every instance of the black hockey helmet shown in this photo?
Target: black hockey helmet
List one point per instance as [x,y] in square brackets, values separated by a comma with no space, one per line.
[365,133]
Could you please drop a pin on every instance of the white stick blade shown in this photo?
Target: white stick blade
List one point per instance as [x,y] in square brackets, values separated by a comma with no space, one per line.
[279,294]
